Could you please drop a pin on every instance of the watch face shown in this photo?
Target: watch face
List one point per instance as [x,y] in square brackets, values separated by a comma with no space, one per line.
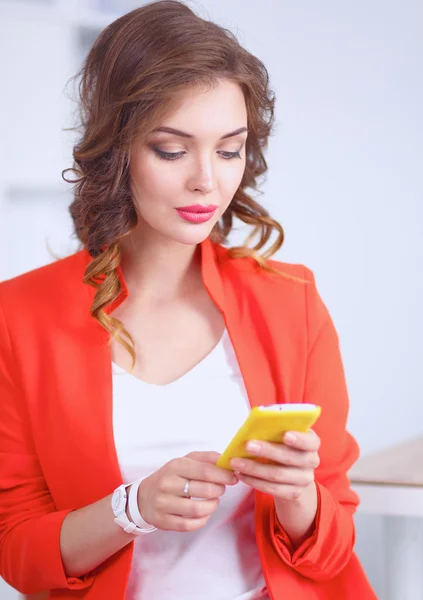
[117,499]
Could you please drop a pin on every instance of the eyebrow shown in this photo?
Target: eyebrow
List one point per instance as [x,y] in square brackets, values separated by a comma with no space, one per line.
[188,135]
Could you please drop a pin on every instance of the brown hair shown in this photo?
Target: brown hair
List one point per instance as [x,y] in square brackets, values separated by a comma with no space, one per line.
[128,80]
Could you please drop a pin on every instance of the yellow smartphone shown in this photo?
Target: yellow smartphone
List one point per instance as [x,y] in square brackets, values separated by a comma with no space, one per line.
[269,423]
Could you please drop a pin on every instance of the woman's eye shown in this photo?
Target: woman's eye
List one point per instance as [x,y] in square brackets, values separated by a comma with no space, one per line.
[168,155]
[229,155]
[175,155]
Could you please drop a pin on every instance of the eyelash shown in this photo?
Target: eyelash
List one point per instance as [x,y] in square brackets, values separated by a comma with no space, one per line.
[176,155]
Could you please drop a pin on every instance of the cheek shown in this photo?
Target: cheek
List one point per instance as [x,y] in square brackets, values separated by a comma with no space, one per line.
[151,181]
[231,180]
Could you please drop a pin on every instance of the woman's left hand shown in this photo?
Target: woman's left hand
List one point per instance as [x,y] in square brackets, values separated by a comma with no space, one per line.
[289,479]
[292,468]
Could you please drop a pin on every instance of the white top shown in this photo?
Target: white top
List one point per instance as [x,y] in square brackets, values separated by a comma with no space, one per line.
[155,423]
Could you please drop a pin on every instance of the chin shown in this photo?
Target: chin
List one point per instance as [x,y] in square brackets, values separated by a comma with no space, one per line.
[191,235]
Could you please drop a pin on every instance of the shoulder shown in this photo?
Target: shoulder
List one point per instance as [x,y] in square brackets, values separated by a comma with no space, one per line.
[44,285]
[282,287]
[283,275]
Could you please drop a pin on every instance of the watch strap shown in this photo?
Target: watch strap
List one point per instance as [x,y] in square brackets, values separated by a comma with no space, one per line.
[134,510]
[119,511]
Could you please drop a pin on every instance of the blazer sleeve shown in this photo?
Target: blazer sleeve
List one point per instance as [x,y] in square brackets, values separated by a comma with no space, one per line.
[329,548]
[30,558]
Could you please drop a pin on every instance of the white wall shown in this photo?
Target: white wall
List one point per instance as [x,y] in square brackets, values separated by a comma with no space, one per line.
[345,180]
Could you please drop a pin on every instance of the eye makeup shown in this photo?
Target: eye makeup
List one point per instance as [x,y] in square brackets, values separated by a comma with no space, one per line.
[176,155]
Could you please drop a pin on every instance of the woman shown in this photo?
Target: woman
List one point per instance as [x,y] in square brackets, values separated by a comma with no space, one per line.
[127,367]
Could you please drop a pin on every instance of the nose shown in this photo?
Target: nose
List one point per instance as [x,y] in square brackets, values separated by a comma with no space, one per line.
[203,178]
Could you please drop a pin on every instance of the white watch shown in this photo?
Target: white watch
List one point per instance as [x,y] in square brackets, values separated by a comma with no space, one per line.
[119,503]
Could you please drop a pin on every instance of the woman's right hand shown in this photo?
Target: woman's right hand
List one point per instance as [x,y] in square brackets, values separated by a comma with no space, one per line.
[161,498]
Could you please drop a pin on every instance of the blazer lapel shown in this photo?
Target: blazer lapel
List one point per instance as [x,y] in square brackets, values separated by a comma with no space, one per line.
[246,329]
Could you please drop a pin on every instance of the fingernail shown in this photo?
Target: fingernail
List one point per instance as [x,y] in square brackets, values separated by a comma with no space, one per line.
[290,437]
[253,447]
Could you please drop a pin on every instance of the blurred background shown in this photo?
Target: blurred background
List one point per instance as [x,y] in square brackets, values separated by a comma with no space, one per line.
[345,178]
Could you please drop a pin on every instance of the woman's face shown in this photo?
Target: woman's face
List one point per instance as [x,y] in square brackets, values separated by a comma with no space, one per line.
[183,181]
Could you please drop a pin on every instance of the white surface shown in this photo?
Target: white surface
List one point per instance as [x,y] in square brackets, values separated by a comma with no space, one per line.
[345,177]
[390,500]
[401,508]
[404,558]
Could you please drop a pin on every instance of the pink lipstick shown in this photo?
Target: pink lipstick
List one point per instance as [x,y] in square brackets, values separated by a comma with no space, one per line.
[197,213]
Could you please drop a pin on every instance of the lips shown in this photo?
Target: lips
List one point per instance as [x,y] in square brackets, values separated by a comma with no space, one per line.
[198,208]
[197,213]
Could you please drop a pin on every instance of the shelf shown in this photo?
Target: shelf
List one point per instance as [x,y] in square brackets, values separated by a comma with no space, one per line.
[37,191]
[88,19]
[400,465]
[58,12]
[34,191]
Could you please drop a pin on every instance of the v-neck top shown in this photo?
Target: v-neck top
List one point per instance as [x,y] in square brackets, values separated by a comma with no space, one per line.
[153,424]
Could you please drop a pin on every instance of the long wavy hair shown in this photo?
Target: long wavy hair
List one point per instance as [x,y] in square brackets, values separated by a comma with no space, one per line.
[127,84]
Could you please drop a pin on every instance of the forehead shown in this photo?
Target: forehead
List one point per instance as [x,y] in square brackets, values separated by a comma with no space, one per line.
[206,111]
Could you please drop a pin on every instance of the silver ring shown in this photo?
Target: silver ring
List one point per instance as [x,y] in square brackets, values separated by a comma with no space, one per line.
[186,488]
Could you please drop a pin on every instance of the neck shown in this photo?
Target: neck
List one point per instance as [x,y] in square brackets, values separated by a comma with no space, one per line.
[158,269]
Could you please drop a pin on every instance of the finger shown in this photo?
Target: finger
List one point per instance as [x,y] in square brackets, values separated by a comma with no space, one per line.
[308,441]
[208,457]
[197,489]
[176,523]
[203,471]
[284,455]
[274,473]
[184,507]
[285,492]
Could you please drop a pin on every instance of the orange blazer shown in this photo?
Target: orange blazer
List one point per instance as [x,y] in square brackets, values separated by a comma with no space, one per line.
[57,451]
